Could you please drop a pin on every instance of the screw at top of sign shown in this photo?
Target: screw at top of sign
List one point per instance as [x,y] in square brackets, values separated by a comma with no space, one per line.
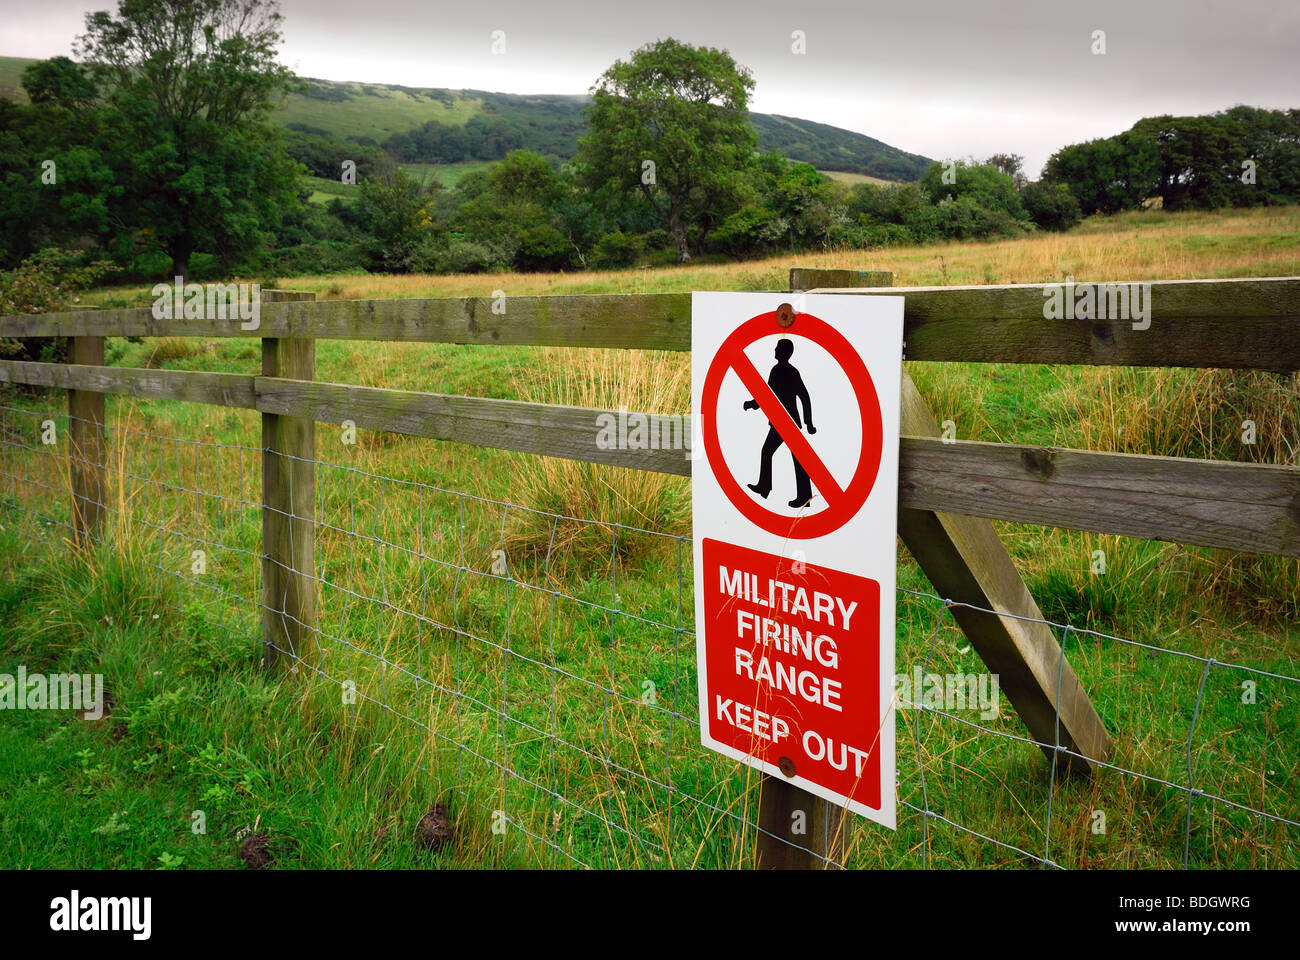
[785,315]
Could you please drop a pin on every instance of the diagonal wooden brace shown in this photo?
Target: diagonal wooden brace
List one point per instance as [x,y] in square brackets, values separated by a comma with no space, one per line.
[967,563]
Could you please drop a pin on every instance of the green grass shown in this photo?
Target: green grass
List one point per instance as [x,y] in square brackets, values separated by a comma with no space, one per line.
[323,190]
[373,110]
[343,786]
[339,785]
[11,75]
[448,174]
[196,726]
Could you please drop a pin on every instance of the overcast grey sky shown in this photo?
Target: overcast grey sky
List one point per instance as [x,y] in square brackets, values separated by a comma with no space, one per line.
[944,78]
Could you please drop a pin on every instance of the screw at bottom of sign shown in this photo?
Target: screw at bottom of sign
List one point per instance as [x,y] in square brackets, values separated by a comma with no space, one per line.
[786,765]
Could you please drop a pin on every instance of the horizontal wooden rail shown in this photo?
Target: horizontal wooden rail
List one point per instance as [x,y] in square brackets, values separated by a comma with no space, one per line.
[1240,506]
[1241,324]
[657,321]
[222,389]
[1245,323]
[1214,503]
[541,428]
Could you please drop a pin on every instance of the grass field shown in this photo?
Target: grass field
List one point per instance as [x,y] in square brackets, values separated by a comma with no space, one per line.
[855,178]
[375,111]
[448,174]
[195,726]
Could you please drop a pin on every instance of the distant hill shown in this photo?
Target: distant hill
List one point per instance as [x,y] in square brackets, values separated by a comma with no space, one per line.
[836,149]
[421,124]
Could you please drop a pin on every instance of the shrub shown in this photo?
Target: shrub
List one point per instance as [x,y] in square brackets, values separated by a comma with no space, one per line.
[617,249]
[314,258]
[750,229]
[636,380]
[985,186]
[960,219]
[658,239]
[471,256]
[1051,206]
[45,282]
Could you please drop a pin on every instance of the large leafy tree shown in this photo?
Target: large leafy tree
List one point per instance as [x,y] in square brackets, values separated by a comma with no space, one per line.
[1196,159]
[54,186]
[1202,158]
[672,124]
[189,84]
[1271,139]
[1108,175]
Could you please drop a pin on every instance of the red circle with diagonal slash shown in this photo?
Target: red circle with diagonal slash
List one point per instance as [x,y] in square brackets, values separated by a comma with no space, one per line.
[841,505]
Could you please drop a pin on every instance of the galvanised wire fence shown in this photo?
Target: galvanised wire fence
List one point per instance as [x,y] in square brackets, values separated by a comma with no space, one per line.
[545,669]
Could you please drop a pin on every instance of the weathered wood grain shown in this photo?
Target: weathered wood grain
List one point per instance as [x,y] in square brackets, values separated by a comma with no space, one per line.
[223,389]
[288,515]
[1239,323]
[86,445]
[1240,506]
[1247,324]
[573,433]
[644,321]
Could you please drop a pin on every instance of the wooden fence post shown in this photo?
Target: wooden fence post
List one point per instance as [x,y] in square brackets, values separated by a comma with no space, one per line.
[86,445]
[797,830]
[288,509]
[784,809]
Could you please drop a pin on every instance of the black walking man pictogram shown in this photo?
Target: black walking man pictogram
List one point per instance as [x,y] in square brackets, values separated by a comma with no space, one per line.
[788,386]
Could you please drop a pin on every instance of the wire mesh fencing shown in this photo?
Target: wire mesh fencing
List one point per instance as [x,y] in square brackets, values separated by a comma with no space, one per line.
[542,670]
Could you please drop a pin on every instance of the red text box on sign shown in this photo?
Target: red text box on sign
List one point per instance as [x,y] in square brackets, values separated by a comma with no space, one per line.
[793,667]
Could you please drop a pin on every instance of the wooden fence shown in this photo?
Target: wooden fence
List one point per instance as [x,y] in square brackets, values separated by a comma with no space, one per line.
[947,490]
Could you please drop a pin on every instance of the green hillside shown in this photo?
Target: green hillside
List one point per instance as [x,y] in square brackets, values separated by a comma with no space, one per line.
[437,126]
[372,111]
[833,148]
[11,71]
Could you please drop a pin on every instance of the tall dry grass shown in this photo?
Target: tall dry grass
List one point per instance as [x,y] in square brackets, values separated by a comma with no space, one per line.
[633,380]
[1138,246]
[1209,415]
[1205,414]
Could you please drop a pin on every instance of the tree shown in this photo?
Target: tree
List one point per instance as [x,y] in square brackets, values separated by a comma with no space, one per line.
[1196,159]
[673,125]
[55,187]
[394,215]
[190,82]
[1051,205]
[985,186]
[516,204]
[1012,164]
[1270,139]
[59,82]
[1108,175]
